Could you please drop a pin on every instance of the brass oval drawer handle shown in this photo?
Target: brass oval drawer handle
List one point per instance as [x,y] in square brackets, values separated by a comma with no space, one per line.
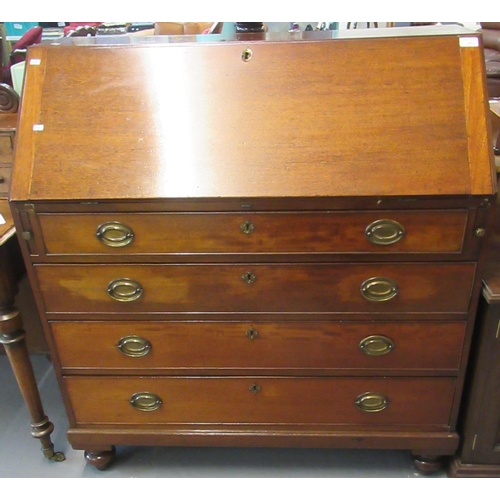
[249,277]
[378,289]
[134,346]
[384,232]
[372,402]
[125,290]
[145,401]
[376,345]
[247,227]
[114,234]
[252,334]
[255,388]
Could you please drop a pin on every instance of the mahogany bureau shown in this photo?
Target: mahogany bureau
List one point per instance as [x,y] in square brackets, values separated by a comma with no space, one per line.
[271,240]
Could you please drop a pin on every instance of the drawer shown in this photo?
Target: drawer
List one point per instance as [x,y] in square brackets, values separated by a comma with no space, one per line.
[249,400]
[431,231]
[193,346]
[257,288]
[5,175]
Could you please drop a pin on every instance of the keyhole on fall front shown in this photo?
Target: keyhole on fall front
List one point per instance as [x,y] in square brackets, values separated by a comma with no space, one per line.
[246,55]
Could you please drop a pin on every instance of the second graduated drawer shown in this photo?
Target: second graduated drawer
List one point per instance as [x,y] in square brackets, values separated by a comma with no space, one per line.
[256,288]
[196,346]
[413,231]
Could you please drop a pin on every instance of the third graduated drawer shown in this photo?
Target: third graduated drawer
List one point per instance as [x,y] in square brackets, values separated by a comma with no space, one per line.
[411,231]
[257,288]
[202,346]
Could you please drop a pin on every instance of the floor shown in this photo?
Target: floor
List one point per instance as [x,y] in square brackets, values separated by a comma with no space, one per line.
[20,455]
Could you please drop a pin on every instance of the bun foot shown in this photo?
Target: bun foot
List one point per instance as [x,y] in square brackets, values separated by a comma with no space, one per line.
[101,460]
[427,464]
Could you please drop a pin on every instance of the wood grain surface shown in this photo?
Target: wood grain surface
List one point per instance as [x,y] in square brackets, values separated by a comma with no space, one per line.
[336,118]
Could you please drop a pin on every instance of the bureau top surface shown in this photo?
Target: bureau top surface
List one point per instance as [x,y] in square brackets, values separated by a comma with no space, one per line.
[283,116]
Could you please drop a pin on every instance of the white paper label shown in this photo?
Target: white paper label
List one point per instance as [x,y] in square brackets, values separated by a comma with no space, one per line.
[38,127]
[2,220]
[35,62]
[469,41]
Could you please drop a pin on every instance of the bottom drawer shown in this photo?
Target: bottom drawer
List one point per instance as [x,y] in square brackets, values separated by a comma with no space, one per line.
[257,400]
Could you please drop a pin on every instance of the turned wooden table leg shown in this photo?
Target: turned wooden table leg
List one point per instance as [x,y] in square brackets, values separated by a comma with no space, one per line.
[17,353]
[12,337]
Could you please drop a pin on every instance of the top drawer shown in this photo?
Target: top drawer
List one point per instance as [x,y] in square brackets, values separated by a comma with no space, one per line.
[426,231]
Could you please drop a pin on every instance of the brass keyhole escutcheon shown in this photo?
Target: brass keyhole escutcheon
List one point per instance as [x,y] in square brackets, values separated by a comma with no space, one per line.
[252,334]
[246,55]
[255,388]
[247,227]
[249,277]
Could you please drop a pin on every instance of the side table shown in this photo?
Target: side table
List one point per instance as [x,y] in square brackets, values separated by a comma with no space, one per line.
[12,336]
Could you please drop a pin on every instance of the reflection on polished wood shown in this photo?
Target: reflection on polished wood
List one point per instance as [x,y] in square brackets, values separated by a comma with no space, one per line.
[216,136]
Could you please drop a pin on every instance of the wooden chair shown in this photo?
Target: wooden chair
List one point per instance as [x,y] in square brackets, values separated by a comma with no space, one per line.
[9,104]
[9,99]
